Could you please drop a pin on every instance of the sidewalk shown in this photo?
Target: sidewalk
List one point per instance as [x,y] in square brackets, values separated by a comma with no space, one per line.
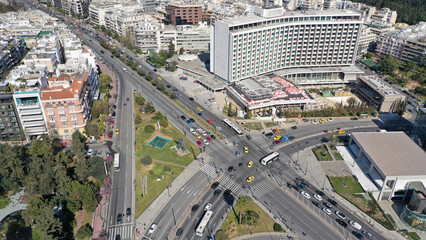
[14,205]
[147,217]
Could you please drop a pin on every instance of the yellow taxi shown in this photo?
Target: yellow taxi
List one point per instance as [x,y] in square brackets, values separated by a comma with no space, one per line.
[250,164]
[278,137]
[249,179]
[245,149]
[197,135]
[199,109]
[341,131]
[159,78]
[323,121]
[117,131]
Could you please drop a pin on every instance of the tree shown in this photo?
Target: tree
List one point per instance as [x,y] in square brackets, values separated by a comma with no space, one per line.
[149,108]
[388,65]
[97,168]
[171,50]
[369,55]
[77,144]
[84,232]
[164,123]
[351,101]
[149,129]
[126,41]
[148,77]
[160,87]
[278,227]
[181,50]
[154,82]
[82,169]
[138,119]
[92,129]
[48,225]
[146,160]
[171,66]
[104,83]
[410,66]
[139,100]
[99,107]
[173,95]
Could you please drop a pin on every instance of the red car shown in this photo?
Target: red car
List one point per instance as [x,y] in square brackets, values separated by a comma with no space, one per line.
[210,121]
[209,138]
[113,122]
[276,142]
[110,135]
[199,143]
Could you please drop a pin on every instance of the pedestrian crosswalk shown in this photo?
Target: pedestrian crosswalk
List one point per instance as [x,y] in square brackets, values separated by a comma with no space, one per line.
[261,188]
[209,170]
[125,232]
[230,184]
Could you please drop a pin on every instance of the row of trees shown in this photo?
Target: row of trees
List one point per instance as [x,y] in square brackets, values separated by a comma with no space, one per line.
[346,111]
[59,183]
[13,6]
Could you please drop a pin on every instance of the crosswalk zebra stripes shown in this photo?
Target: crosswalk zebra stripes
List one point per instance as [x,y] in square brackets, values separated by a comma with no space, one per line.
[230,184]
[209,170]
[125,232]
[263,187]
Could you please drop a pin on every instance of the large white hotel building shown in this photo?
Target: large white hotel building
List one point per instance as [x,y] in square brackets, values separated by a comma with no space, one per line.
[311,47]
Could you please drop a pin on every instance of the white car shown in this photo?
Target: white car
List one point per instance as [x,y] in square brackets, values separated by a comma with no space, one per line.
[207,207]
[192,131]
[305,194]
[330,119]
[218,128]
[327,211]
[90,152]
[340,215]
[355,225]
[199,130]
[152,228]
[317,197]
[205,142]
[205,133]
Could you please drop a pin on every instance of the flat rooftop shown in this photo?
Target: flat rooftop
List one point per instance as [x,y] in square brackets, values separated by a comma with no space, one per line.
[394,153]
[345,69]
[379,85]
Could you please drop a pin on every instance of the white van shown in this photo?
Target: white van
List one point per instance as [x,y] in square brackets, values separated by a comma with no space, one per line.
[124,69]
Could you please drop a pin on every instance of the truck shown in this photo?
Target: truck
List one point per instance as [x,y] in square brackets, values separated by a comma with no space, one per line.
[116,162]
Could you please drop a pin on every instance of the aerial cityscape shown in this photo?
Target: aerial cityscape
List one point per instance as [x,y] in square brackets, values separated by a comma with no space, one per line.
[212,119]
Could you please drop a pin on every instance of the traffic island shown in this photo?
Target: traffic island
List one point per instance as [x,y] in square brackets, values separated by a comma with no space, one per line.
[246,218]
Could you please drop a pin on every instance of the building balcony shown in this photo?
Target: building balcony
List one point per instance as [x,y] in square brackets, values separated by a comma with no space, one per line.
[28,105]
[29,112]
[33,124]
[32,118]
[35,131]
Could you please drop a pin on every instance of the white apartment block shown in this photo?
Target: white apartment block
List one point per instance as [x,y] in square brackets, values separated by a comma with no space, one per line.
[367,39]
[388,45]
[248,46]
[193,38]
[29,108]
[146,35]
[123,20]
[78,7]
[384,15]
[97,12]
[27,72]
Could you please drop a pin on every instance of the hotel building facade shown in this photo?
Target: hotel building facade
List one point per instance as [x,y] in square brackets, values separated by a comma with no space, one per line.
[276,40]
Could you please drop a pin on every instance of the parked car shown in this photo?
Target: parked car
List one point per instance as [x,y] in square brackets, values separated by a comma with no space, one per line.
[305,194]
[326,210]
[369,235]
[215,185]
[317,197]
[152,228]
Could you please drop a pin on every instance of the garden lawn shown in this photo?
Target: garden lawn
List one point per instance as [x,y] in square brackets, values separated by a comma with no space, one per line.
[84,217]
[231,228]
[4,202]
[270,124]
[352,185]
[253,125]
[155,188]
[319,151]
[165,154]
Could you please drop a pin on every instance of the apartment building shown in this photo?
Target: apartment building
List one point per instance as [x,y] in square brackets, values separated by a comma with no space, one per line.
[77,7]
[184,14]
[9,123]
[46,51]
[27,72]
[66,104]
[384,15]
[148,5]
[193,38]
[146,34]
[29,109]
[123,20]
[98,10]
[243,47]
[11,52]
[367,41]
[408,44]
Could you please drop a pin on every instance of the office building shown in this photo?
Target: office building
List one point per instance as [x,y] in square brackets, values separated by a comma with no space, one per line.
[414,213]
[66,104]
[419,128]
[380,94]
[184,14]
[388,160]
[9,123]
[323,41]
[193,38]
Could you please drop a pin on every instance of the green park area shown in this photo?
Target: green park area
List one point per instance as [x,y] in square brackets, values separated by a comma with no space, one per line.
[157,167]
[349,188]
[253,220]
[321,153]
[253,125]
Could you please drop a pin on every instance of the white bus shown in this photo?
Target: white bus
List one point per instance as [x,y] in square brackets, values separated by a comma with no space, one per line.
[203,223]
[228,123]
[117,162]
[269,158]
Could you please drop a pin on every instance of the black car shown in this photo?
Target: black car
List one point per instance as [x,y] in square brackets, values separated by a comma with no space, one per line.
[320,193]
[269,134]
[117,237]
[215,185]
[112,56]
[128,212]
[119,218]
[226,193]
[294,127]
[317,204]
[192,99]
[332,201]
[328,205]
[179,232]
[240,164]
[128,99]
[167,86]
[341,222]
[230,169]
[183,117]
[200,114]
[192,120]
[357,235]
[217,192]
[195,207]
[154,70]
[248,137]
[212,136]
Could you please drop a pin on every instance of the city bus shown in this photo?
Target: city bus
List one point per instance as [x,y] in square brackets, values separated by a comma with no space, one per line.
[203,223]
[228,123]
[116,162]
[269,158]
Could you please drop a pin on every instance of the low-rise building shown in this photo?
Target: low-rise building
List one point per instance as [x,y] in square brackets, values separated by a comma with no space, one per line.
[9,122]
[66,104]
[379,93]
[389,160]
